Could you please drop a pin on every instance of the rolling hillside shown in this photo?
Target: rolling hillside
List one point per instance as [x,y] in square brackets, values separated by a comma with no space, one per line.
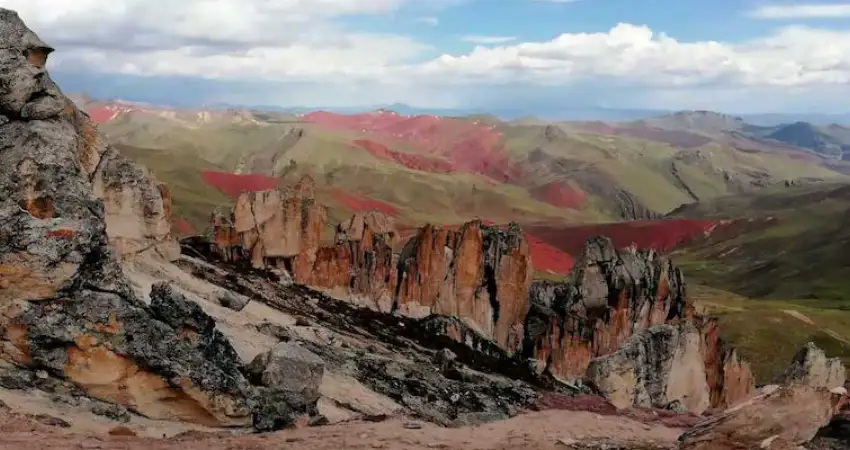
[755,219]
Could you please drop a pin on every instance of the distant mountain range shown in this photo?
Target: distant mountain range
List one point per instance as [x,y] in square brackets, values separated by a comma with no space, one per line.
[832,141]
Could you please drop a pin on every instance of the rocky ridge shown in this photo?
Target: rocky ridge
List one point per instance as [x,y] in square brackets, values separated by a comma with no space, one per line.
[621,321]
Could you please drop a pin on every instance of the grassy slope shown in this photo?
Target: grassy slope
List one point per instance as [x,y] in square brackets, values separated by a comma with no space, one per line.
[793,245]
[769,332]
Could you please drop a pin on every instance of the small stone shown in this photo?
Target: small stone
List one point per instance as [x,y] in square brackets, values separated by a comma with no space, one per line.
[567,442]
[233,301]
[51,421]
[301,322]
[413,426]
[41,374]
[121,430]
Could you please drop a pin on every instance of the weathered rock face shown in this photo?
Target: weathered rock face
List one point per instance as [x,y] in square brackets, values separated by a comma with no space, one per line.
[138,207]
[660,367]
[779,418]
[292,376]
[480,274]
[375,221]
[360,267]
[811,367]
[610,296]
[65,305]
[281,227]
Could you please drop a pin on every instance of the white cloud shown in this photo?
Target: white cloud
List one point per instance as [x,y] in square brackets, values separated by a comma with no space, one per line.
[428,20]
[282,41]
[476,39]
[802,11]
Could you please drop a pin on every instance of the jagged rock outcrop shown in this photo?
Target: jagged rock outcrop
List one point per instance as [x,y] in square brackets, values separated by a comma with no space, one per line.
[810,366]
[780,416]
[281,227]
[479,274]
[138,207]
[375,221]
[660,367]
[360,267]
[609,297]
[65,305]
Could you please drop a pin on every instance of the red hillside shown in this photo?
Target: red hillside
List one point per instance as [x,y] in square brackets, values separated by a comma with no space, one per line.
[456,145]
[661,235]
[232,185]
[561,195]
[359,203]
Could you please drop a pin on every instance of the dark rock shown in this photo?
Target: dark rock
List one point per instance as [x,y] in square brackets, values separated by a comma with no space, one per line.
[109,410]
[51,421]
[54,248]
[280,408]
[292,376]
[278,332]
[233,301]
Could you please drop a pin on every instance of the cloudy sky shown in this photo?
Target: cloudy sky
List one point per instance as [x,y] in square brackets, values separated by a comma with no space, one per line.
[741,56]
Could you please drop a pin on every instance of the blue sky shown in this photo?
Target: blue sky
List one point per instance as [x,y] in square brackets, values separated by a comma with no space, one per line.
[741,56]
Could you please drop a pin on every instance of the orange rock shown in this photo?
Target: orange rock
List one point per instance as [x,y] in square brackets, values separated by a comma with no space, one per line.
[276,226]
[479,274]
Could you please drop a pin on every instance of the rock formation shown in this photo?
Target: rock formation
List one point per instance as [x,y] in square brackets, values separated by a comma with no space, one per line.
[360,266]
[811,366]
[610,297]
[778,417]
[280,227]
[479,274]
[65,305]
[660,367]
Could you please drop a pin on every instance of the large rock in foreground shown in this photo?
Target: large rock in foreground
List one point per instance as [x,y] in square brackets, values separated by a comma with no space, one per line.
[65,305]
[778,417]
[657,368]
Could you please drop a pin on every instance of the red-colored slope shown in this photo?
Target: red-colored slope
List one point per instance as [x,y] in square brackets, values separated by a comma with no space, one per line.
[548,258]
[661,235]
[100,114]
[232,185]
[359,203]
[409,160]
[455,145]
[561,195]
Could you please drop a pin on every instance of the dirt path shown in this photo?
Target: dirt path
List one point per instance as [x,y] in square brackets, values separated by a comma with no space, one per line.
[533,431]
[798,315]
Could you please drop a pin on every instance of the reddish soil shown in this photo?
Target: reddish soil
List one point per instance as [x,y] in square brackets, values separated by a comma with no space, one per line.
[359,203]
[100,114]
[544,430]
[450,144]
[232,185]
[548,258]
[661,235]
[561,195]
[409,160]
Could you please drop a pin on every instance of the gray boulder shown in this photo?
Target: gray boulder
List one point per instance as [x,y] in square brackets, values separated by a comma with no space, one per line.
[811,366]
[290,376]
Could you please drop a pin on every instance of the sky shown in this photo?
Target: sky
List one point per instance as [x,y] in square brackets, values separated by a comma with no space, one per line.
[741,56]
